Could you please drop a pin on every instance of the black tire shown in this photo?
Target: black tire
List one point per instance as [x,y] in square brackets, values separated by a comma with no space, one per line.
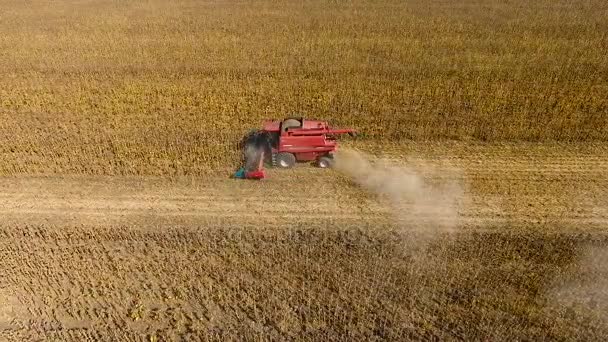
[325,162]
[285,160]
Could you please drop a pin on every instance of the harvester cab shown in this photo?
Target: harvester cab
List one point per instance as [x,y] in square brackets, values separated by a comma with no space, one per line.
[293,140]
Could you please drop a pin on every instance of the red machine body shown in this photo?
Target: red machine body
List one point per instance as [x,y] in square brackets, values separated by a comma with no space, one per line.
[298,139]
[257,174]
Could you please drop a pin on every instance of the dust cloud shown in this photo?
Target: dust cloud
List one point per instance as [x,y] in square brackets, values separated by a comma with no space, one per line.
[417,204]
[585,285]
[255,147]
[251,156]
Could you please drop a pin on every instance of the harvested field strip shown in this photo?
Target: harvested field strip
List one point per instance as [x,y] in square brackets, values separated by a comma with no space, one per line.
[317,282]
[306,253]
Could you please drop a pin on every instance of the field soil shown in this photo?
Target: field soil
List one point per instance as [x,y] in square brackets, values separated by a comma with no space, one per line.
[308,253]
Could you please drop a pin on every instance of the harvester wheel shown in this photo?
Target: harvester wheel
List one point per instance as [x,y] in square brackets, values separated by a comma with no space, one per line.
[286,160]
[325,162]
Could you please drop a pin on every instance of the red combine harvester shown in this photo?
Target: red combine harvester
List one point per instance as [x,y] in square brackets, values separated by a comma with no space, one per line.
[293,140]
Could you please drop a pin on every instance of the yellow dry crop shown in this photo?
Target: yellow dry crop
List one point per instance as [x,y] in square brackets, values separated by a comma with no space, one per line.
[168,87]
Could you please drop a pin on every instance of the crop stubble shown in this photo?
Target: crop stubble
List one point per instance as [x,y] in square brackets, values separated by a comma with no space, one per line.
[305,253]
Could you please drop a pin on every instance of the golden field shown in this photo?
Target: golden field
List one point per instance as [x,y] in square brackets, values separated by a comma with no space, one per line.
[119,122]
[304,255]
[168,87]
